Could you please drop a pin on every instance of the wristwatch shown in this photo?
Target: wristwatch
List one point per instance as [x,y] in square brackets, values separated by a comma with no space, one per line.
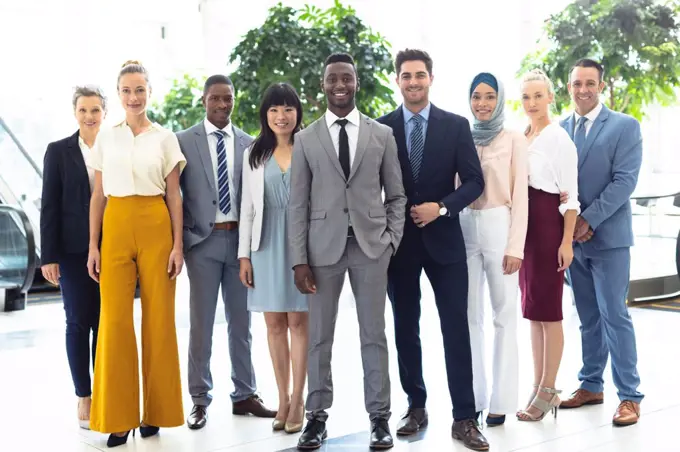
[442,209]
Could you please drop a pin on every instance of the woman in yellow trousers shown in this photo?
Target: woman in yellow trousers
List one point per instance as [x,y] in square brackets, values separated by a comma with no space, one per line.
[136,209]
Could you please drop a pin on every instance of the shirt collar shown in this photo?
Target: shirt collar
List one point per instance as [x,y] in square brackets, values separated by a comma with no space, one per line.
[424,113]
[353,117]
[210,128]
[592,116]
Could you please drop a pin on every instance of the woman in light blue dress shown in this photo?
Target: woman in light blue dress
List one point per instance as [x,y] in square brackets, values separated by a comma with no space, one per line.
[266,267]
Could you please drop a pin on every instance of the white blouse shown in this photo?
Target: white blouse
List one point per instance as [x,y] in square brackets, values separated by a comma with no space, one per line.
[553,165]
[135,165]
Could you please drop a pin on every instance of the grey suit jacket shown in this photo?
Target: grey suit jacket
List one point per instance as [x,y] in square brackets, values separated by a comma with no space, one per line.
[199,194]
[322,201]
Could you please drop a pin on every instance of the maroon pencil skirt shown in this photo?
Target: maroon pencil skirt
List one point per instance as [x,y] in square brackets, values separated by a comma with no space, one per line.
[539,281]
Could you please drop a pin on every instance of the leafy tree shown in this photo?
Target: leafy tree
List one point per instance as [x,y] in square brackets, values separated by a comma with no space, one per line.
[292,45]
[637,41]
[181,107]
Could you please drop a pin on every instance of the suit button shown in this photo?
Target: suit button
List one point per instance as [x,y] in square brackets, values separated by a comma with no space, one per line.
[345,210]
[347,186]
[211,224]
[214,203]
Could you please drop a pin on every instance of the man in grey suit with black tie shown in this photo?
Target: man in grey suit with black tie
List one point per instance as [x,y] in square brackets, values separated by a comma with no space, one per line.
[339,223]
[211,189]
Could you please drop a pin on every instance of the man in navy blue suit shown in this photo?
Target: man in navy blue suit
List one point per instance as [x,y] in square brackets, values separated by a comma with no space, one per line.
[434,146]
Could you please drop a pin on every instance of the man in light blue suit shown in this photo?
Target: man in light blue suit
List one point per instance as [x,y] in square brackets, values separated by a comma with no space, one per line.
[609,146]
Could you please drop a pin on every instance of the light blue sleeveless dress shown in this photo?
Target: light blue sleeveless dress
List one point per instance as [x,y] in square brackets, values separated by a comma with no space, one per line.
[274,288]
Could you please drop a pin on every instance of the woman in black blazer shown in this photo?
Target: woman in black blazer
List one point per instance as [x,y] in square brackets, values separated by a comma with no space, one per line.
[64,232]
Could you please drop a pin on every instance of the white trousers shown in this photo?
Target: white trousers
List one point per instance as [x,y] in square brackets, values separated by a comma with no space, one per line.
[486,237]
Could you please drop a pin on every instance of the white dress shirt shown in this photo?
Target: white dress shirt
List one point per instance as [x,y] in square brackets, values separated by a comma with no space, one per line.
[352,128]
[85,149]
[229,148]
[553,165]
[591,117]
[135,165]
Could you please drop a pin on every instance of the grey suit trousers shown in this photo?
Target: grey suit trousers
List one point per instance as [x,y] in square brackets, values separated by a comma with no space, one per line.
[368,278]
[211,264]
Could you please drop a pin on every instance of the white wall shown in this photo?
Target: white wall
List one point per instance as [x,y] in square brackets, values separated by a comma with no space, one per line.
[48,46]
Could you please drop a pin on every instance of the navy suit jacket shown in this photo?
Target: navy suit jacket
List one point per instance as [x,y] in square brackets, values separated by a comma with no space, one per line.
[608,168]
[65,205]
[449,150]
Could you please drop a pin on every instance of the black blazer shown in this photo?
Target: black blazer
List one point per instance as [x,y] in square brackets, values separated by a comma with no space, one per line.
[449,150]
[65,207]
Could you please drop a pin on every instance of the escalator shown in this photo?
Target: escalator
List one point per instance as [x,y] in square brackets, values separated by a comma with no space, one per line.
[18,259]
[20,193]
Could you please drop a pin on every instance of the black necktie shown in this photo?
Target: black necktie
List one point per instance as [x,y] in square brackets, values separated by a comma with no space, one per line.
[344,147]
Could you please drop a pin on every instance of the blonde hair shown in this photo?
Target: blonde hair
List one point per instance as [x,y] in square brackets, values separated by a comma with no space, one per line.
[133,67]
[538,75]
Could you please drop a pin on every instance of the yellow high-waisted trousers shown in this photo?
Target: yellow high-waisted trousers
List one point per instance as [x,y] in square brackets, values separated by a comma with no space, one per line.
[136,242]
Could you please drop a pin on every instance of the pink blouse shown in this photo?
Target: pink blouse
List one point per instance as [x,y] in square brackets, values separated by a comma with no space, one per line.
[506,179]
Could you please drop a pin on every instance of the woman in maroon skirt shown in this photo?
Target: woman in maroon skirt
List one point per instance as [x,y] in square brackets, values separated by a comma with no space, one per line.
[548,252]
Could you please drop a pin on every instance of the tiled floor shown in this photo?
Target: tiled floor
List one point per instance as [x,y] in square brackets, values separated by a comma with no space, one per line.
[38,405]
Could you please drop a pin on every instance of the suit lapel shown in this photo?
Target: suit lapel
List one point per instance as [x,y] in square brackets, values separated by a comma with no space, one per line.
[399,131]
[327,143]
[203,150]
[592,135]
[239,148]
[362,142]
[568,125]
[76,153]
[431,142]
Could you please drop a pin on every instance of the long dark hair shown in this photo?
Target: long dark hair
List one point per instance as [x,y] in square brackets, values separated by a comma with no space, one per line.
[263,146]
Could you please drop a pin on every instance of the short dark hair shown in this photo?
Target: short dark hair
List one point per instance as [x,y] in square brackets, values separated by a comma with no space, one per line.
[263,146]
[217,79]
[412,55]
[339,58]
[587,62]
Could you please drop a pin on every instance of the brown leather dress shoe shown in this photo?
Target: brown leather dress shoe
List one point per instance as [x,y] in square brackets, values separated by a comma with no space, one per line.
[628,413]
[252,405]
[468,432]
[412,422]
[582,397]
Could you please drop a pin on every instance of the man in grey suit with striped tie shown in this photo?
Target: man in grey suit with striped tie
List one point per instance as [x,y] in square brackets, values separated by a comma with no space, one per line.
[211,189]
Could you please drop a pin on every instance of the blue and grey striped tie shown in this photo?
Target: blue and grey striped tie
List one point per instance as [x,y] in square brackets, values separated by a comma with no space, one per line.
[417,146]
[222,173]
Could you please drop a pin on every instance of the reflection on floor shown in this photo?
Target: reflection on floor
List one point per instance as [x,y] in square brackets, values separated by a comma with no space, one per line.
[39,408]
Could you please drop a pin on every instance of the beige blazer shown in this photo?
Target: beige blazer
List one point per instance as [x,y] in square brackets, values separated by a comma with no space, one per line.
[252,206]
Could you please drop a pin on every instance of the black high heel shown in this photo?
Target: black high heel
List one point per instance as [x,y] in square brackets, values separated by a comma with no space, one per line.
[115,441]
[149,430]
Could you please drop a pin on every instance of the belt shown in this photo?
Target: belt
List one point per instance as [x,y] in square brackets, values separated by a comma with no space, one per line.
[229,225]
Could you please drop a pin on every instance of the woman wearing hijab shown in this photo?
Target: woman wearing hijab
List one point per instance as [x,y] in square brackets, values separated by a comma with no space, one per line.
[494,228]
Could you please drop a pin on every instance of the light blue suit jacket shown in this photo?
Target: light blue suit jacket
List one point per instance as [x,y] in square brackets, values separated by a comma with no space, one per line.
[609,164]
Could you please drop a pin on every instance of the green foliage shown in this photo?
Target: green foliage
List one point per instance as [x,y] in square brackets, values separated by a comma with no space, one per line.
[637,41]
[292,45]
[181,107]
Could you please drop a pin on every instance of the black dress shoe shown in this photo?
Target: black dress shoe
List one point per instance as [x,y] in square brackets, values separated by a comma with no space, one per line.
[380,434]
[468,432]
[412,422]
[313,435]
[198,417]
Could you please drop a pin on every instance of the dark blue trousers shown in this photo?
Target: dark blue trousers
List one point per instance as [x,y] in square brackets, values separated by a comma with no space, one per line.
[450,285]
[81,304]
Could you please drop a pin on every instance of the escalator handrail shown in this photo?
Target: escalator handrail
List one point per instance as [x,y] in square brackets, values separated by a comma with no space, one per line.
[25,153]
[30,240]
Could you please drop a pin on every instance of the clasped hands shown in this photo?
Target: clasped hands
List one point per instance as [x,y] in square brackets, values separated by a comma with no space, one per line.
[582,231]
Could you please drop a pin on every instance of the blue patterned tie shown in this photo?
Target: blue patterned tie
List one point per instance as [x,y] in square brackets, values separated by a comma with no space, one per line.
[222,173]
[417,146]
[580,134]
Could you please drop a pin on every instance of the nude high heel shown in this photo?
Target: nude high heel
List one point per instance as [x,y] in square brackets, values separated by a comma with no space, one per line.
[543,406]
